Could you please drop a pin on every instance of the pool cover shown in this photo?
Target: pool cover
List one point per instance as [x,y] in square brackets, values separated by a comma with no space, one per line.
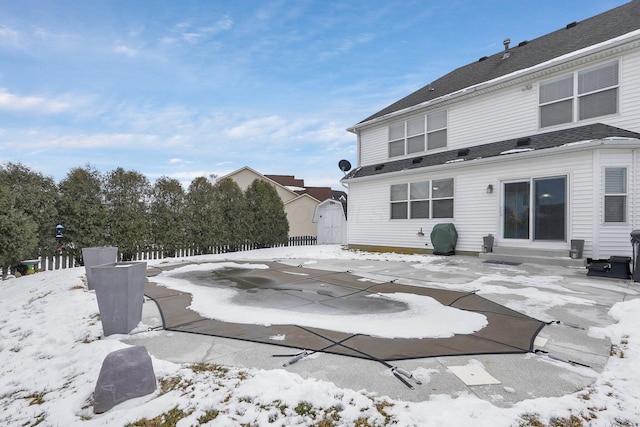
[290,287]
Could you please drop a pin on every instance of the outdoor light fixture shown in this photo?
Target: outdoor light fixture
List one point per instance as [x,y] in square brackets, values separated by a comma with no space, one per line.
[489,188]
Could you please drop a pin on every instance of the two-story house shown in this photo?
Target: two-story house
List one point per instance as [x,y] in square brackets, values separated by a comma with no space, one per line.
[536,145]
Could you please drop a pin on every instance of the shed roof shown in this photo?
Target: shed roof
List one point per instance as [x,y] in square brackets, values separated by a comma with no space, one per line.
[575,36]
[537,142]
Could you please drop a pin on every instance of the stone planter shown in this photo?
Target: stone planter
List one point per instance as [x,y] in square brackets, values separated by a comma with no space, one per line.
[97,256]
[119,288]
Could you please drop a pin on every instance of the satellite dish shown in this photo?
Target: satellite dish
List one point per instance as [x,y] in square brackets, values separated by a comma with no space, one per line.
[344,165]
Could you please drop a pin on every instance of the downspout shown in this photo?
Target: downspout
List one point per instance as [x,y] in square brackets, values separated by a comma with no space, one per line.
[597,203]
[635,189]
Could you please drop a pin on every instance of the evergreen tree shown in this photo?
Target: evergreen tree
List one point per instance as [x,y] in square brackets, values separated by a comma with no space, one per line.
[200,215]
[168,215]
[126,197]
[266,218]
[35,196]
[82,210]
[18,232]
[230,226]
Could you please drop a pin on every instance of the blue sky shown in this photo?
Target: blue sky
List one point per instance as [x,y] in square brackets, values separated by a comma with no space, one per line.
[192,88]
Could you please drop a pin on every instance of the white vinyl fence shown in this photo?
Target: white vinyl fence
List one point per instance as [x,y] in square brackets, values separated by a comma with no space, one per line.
[58,262]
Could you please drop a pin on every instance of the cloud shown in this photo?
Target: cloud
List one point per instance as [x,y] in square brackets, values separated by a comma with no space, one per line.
[263,127]
[9,37]
[124,50]
[39,141]
[38,104]
[192,34]
[299,132]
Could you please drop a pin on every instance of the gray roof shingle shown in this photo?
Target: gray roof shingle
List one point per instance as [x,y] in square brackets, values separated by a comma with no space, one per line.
[502,148]
[591,31]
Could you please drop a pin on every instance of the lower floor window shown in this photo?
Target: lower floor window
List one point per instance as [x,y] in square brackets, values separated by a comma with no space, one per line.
[422,199]
[615,194]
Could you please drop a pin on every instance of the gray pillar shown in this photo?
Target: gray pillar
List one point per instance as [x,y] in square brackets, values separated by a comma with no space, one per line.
[96,256]
[120,292]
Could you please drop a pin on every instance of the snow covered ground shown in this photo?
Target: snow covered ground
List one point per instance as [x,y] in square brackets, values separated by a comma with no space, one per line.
[51,351]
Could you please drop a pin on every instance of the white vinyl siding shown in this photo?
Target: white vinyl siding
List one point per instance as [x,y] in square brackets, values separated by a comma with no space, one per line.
[478,213]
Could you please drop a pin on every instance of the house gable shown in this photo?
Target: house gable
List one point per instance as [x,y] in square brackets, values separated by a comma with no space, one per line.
[245,176]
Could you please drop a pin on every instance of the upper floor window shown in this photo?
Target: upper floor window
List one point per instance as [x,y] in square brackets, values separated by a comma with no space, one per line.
[422,199]
[615,194]
[418,135]
[578,96]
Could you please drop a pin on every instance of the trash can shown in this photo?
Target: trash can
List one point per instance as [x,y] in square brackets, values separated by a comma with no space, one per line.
[635,243]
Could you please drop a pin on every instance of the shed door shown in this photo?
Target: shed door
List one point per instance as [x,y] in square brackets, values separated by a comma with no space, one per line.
[540,213]
[330,225]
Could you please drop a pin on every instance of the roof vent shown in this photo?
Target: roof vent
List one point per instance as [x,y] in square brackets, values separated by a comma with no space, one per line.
[506,48]
[417,160]
[571,25]
[463,152]
[523,141]
[484,58]
[522,43]
[379,167]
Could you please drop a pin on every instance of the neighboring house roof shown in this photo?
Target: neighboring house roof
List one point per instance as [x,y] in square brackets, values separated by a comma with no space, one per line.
[287,180]
[320,193]
[297,185]
[575,36]
[537,142]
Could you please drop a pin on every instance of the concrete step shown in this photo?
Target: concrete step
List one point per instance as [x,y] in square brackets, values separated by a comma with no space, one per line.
[532,256]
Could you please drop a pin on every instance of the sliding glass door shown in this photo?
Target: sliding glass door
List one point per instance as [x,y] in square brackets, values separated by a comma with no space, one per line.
[547,219]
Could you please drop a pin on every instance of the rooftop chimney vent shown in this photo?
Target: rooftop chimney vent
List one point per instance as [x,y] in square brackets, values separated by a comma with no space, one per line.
[506,48]
[572,24]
